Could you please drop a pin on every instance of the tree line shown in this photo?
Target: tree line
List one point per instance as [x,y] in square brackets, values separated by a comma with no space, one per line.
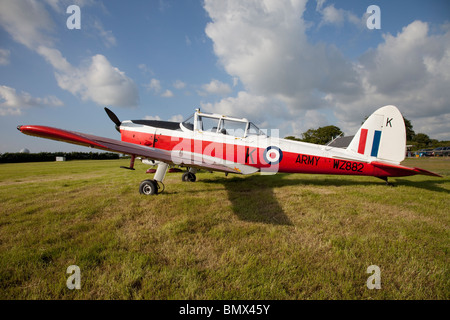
[51,156]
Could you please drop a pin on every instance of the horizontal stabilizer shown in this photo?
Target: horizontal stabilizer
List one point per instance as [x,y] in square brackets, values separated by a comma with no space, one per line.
[406,170]
[427,173]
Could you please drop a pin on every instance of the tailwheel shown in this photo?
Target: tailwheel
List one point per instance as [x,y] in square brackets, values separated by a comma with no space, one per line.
[188,176]
[148,187]
[389,184]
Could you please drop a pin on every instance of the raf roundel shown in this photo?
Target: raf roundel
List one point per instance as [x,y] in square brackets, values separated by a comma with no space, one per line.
[273,155]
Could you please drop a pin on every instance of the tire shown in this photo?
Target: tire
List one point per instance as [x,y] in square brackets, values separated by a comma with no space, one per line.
[148,187]
[188,177]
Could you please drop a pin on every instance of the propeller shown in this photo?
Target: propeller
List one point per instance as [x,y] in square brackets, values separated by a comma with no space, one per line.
[113,118]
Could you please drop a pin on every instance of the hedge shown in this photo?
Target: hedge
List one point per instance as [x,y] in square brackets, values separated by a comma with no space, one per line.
[51,156]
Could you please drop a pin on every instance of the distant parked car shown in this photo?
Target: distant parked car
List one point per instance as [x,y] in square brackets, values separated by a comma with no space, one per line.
[441,151]
[425,152]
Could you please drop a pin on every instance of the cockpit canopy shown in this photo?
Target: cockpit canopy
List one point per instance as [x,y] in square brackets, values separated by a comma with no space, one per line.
[216,123]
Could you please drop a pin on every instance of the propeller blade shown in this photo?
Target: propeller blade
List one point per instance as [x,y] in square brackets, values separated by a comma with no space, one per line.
[113,118]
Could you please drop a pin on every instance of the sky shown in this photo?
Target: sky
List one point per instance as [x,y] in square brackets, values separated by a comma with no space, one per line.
[290,65]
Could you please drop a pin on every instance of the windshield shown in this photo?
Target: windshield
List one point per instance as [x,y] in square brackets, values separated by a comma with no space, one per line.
[232,128]
[189,123]
[222,126]
[207,124]
[253,130]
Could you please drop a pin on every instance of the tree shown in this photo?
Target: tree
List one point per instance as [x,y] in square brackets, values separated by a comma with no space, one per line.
[321,135]
[292,138]
[422,140]
[409,130]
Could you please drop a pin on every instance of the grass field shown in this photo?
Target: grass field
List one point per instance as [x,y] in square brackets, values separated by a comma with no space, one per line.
[236,237]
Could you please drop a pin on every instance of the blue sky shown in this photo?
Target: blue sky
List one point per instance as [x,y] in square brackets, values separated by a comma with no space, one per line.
[291,65]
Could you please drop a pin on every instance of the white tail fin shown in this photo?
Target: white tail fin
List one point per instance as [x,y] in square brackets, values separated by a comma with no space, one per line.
[382,136]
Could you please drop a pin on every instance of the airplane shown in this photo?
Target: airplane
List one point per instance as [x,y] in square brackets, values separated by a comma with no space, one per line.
[216,142]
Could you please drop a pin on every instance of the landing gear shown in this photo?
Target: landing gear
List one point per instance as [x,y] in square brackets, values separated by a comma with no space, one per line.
[150,187]
[386,180]
[188,176]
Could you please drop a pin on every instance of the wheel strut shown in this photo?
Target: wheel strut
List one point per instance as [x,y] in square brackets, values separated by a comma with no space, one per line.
[387,182]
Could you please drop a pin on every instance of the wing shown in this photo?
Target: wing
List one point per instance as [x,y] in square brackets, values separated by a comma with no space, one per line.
[88,140]
[403,169]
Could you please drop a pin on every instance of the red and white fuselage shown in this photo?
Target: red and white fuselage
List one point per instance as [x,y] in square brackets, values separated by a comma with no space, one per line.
[234,145]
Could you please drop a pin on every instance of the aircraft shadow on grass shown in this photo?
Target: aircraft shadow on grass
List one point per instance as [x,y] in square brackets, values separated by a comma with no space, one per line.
[431,185]
[253,198]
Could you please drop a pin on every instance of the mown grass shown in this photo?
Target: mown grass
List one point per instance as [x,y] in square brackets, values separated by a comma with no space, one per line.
[236,237]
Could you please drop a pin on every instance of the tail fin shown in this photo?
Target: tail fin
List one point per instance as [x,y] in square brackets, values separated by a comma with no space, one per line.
[382,136]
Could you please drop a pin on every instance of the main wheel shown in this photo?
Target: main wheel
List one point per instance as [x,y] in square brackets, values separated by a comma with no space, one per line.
[189,176]
[148,187]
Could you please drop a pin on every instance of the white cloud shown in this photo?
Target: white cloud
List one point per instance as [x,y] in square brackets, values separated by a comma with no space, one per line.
[61,5]
[154,85]
[55,5]
[333,16]
[4,57]
[176,118]
[26,22]
[167,94]
[56,59]
[100,82]
[178,84]
[152,118]
[188,41]
[106,35]
[254,43]
[145,69]
[215,87]
[13,103]
[409,70]
[97,80]
[246,105]
[260,110]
